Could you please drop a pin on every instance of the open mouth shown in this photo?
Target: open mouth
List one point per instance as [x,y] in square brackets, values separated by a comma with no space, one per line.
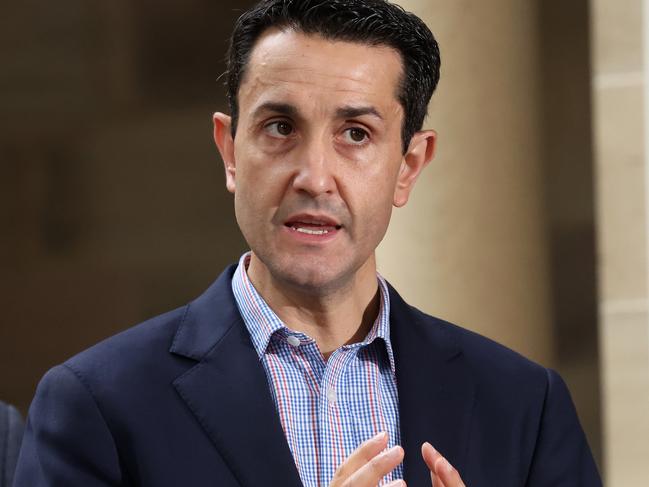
[313,226]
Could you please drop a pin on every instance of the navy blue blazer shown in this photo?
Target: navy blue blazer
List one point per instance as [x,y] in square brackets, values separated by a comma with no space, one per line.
[182,400]
[11,434]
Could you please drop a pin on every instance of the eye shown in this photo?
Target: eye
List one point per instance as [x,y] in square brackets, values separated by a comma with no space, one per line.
[356,135]
[279,128]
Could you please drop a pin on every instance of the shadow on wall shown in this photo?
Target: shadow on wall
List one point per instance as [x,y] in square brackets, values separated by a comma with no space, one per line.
[112,195]
[564,45]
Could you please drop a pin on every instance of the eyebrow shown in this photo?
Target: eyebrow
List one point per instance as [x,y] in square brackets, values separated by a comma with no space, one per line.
[275,107]
[291,110]
[353,112]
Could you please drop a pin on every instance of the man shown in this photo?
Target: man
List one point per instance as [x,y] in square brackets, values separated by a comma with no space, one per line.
[302,366]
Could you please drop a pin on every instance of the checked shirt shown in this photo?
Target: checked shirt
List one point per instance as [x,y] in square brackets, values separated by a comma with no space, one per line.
[326,408]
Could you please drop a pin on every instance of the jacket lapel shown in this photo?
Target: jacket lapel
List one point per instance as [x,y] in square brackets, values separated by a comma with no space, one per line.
[227,390]
[228,393]
[436,390]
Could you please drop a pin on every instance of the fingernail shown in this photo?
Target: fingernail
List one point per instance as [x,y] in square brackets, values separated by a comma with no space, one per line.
[431,446]
[396,483]
[447,466]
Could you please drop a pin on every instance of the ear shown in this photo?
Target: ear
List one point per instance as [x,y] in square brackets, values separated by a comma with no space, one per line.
[225,143]
[420,152]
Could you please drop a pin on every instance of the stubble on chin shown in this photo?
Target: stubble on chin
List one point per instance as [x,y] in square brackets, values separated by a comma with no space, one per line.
[315,277]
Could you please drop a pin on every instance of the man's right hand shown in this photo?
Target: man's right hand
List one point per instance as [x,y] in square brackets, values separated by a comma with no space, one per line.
[368,464]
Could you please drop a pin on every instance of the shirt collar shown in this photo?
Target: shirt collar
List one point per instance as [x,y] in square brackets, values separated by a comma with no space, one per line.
[262,322]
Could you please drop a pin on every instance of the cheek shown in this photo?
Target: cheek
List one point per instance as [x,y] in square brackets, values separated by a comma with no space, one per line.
[251,198]
[250,172]
[382,215]
[374,225]
[256,168]
[376,203]
[260,186]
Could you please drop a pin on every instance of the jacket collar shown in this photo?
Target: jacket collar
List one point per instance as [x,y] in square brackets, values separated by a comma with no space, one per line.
[207,319]
[228,392]
[436,388]
[262,322]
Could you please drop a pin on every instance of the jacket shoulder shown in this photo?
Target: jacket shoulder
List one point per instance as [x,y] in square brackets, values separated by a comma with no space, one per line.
[139,352]
[490,362]
[143,338]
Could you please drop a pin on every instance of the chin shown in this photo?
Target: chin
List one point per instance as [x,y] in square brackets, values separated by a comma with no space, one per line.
[312,281]
[311,278]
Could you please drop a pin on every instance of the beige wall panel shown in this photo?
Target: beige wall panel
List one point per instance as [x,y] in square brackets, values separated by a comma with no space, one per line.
[621,193]
[470,245]
[626,397]
[620,143]
[617,45]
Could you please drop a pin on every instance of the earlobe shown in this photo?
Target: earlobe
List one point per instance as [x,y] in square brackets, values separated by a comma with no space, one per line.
[420,152]
[225,143]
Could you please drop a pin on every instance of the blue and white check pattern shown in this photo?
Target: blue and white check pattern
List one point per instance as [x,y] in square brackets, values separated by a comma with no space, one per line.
[327,409]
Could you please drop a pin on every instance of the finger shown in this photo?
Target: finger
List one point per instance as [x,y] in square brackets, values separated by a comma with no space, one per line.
[359,457]
[435,481]
[447,474]
[430,457]
[370,474]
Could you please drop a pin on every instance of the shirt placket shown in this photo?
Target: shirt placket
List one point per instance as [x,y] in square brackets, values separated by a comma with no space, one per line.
[312,366]
[334,421]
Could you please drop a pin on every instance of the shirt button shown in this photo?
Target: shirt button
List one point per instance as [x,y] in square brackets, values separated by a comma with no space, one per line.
[293,341]
[331,394]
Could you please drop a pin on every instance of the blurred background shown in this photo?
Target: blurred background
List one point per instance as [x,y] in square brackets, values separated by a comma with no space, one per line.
[530,226]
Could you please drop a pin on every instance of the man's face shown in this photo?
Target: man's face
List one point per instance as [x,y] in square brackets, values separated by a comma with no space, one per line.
[317,161]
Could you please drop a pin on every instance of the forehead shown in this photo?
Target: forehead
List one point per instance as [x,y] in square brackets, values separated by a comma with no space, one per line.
[294,64]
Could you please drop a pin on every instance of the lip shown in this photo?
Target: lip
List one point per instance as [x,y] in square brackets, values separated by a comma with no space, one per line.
[311,228]
[312,220]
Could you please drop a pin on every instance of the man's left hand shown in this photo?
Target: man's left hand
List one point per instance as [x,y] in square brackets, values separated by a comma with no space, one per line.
[442,473]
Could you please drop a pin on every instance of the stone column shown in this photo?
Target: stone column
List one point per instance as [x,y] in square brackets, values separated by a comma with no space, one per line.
[471,245]
[620,33]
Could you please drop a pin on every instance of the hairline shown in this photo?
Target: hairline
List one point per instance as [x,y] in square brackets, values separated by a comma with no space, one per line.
[291,26]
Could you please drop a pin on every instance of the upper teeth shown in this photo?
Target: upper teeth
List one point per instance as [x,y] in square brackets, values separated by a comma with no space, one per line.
[311,231]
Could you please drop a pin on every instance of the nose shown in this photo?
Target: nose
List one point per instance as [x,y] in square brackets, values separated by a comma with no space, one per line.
[315,169]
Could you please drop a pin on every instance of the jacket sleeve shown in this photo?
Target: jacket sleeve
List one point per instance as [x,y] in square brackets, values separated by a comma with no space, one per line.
[562,456]
[67,441]
[11,433]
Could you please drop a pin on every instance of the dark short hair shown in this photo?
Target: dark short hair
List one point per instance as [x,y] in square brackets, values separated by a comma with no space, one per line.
[371,22]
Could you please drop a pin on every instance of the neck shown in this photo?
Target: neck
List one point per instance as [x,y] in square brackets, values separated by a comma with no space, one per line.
[338,317]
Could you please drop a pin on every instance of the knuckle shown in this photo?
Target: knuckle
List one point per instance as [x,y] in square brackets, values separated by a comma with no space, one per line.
[336,481]
[376,463]
[339,475]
